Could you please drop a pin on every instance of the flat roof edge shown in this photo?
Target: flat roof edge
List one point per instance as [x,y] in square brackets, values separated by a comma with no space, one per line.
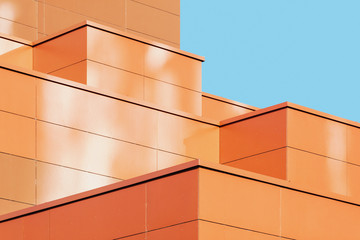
[120,97]
[119,32]
[291,106]
[229,101]
[194,164]
[101,190]
[15,39]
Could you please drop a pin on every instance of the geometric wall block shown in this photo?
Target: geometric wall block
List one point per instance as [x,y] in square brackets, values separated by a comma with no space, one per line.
[157,208]
[238,202]
[251,134]
[31,20]
[190,201]
[256,142]
[292,142]
[119,62]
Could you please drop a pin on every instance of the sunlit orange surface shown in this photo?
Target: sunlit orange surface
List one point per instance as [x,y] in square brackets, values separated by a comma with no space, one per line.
[106,134]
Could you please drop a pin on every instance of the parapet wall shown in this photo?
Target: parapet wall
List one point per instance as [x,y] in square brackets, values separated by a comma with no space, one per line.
[33,19]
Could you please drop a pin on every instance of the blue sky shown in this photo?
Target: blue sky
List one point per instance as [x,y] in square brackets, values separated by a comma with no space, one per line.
[264,52]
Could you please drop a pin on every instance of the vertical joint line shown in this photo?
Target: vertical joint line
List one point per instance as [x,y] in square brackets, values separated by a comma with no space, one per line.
[146,228]
[35,144]
[280,213]
[125,15]
[157,160]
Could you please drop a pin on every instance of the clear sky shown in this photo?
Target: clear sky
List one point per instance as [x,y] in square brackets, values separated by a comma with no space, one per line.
[264,52]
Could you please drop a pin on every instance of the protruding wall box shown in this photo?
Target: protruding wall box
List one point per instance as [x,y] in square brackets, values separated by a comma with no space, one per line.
[306,147]
[110,59]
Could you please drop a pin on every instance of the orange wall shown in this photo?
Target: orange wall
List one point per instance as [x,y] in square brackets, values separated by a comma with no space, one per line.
[64,127]
[74,139]
[232,207]
[188,202]
[308,148]
[160,209]
[32,19]
[133,107]
[115,62]
[256,143]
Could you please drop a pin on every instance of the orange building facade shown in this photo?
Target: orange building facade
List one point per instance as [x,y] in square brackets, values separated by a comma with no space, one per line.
[106,134]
